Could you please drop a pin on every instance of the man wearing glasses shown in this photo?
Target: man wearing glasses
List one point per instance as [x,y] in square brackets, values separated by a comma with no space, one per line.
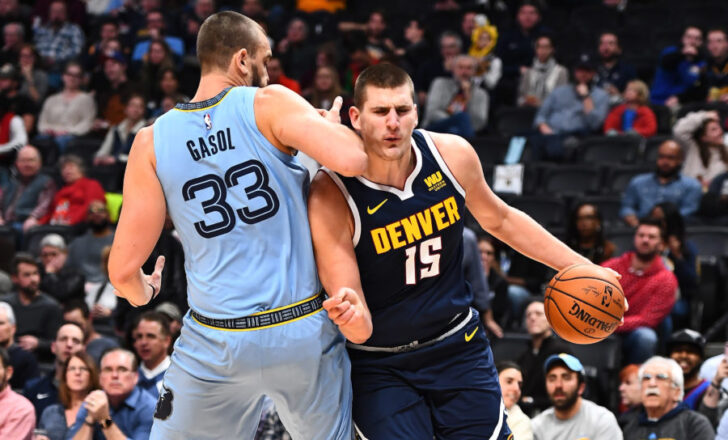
[120,408]
[663,413]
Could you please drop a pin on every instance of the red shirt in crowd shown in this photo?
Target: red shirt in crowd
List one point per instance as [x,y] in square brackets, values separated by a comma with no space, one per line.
[71,202]
[645,123]
[651,294]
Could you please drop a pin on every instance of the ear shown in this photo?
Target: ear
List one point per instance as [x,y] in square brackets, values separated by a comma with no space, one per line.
[241,61]
[53,347]
[9,372]
[354,115]
[582,387]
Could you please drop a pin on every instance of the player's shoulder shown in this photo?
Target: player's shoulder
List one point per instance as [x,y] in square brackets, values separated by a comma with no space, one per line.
[272,93]
[323,185]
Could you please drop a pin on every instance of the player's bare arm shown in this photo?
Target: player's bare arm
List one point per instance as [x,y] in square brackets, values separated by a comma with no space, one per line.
[290,121]
[332,229]
[506,223]
[140,224]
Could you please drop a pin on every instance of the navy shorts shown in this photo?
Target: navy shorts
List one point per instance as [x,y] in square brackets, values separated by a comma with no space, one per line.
[448,390]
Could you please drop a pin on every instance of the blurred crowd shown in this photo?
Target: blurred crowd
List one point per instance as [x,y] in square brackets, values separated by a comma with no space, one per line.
[616,132]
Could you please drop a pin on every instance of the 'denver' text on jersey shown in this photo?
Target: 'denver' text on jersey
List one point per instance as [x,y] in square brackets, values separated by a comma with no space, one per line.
[408,245]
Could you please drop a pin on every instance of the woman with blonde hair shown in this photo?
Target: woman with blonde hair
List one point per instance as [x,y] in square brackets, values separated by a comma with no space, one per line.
[633,115]
[80,377]
[326,87]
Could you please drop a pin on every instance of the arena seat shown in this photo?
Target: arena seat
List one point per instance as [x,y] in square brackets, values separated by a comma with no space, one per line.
[510,346]
[649,155]
[32,237]
[601,363]
[610,149]
[618,177]
[711,241]
[546,210]
[513,121]
[491,149]
[571,180]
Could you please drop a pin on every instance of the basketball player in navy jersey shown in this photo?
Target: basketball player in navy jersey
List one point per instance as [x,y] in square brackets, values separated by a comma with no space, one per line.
[394,237]
[223,167]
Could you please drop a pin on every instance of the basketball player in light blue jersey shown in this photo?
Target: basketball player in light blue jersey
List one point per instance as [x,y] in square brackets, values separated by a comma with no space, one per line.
[223,167]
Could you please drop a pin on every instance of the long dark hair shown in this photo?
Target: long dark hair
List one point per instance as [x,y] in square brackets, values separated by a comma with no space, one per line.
[572,233]
[672,223]
[704,149]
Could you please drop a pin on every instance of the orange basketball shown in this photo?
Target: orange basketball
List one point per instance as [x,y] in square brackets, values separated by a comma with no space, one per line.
[584,303]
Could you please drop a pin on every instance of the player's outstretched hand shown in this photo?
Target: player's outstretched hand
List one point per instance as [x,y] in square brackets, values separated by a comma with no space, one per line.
[153,280]
[334,113]
[346,310]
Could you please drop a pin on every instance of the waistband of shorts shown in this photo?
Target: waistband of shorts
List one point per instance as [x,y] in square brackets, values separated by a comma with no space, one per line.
[455,325]
[267,318]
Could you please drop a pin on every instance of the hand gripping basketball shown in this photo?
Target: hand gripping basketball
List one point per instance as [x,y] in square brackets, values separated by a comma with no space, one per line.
[584,303]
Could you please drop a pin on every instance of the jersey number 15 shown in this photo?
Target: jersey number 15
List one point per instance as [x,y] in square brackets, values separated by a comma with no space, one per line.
[429,260]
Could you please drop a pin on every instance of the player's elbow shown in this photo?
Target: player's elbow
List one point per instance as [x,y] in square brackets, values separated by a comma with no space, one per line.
[353,164]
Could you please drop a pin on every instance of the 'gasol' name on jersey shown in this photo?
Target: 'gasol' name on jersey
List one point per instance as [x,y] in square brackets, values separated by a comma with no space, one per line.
[209,145]
[410,229]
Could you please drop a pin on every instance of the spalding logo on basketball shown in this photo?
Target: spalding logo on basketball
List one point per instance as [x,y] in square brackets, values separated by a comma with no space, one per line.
[584,303]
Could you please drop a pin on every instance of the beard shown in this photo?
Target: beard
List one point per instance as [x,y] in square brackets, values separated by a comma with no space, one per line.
[645,257]
[29,290]
[99,226]
[256,79]
[667,174]
[567,403]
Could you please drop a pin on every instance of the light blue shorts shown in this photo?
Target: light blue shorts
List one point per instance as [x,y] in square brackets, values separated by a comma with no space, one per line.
[215,385]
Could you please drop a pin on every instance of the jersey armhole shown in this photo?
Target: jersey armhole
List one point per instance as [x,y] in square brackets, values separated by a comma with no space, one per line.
[350,202]
[441,162]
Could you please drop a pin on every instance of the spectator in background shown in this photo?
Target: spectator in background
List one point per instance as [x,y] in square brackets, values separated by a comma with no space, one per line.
[276,75]
[108,36]
[571,416]
[543,344]
[297,55]
[152,343]
[650,289]
[191,22]
[25,366]
[26,197]
[717,68]
[111,88]
[13,34]
[157,60]
[440,65]
[714,204]
[680,256]
[490,67]
[15,101]
[687,348]
[168,86]
[678,78]
[633,115]
[37,314]
[59,41]
[613,74]
[71,202]
[156,30]
[630,396]
[85,252]
[378,44]
[570,110]
[715,370]
[416,48]
[663,414]
[173,314]
[665,184]
[511,381]
[12,128]
[326,87]
[497,284]
[62,281]
[117,143]
[43,391]
[79,377]
[34,84]
[455,105]
[67,114]
[584,233]
[545,74]
[17,419]
[706,154]
[120,408]
[475,276]
[515,48]
[95,344]
[11,11]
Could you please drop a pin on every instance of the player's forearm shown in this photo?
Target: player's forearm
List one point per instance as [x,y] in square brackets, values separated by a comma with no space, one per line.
[523,234]
[132,287]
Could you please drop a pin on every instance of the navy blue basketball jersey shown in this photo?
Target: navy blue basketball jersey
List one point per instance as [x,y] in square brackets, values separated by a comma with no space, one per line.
[409,248]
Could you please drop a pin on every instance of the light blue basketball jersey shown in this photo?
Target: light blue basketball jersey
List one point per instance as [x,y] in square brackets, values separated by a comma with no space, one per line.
[239,205]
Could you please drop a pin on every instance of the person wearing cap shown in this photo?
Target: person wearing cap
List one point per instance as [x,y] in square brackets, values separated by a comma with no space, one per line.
[663,413]
[572,417]
[686,347]
[62,281]
[570,110]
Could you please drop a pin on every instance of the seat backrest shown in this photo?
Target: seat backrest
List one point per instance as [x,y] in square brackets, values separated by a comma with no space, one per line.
[512,121]
[546,210]
[610,149]
[618,178]
[711,241]
[32,237]
[491,149]
[601,363]
[571,180]
[623,239]
[510,346]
